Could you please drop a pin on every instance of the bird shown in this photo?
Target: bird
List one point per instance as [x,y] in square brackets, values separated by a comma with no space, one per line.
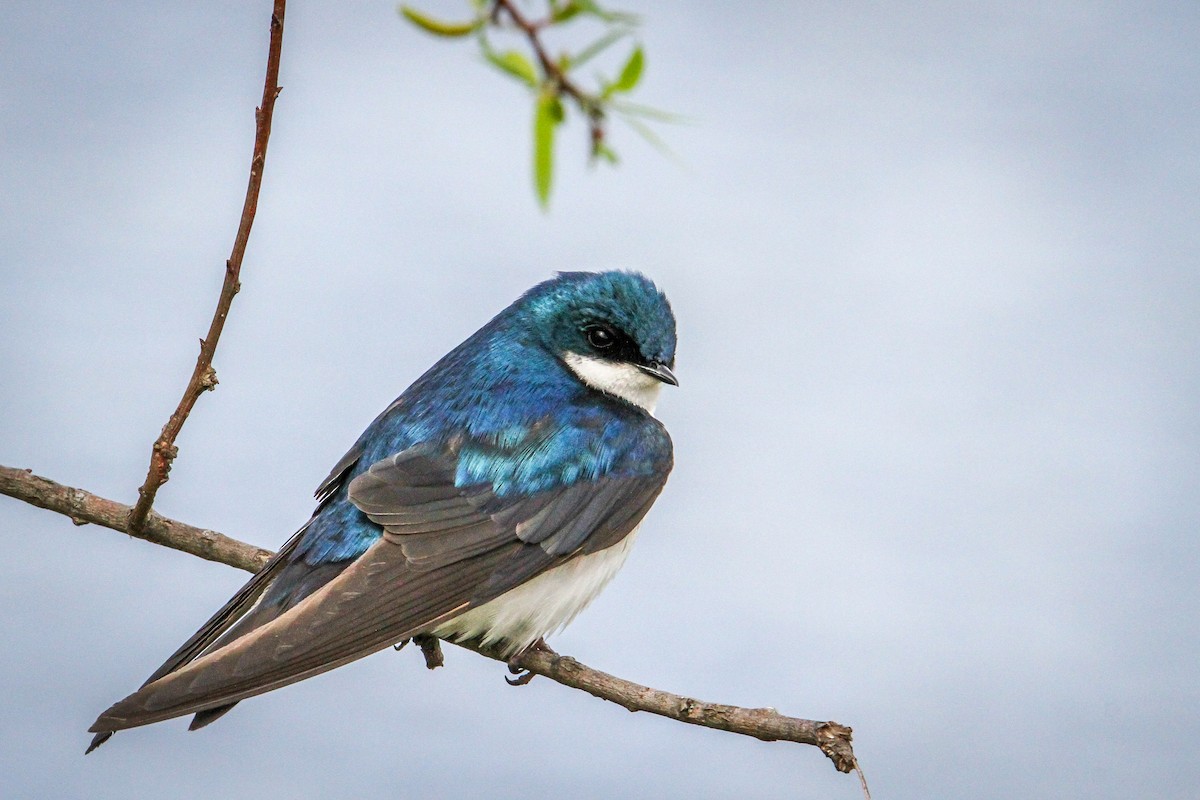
[490,502]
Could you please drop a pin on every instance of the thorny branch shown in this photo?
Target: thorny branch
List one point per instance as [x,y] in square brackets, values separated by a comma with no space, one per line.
[767,724]
[204,377]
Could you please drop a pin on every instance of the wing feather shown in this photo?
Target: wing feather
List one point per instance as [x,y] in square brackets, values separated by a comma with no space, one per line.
[375,602]
[229,613]
[444,549]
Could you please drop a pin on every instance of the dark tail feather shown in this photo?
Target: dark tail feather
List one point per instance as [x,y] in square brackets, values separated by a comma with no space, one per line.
[97,740]
[209,716]
[201,719]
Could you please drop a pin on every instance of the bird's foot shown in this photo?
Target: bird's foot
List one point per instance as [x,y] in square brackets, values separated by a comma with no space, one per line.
[398,646]
[431,648]
[524,676]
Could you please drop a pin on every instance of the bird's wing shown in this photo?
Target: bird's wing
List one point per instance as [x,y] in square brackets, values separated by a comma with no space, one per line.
[337,476]
[445,549]
[248,595]
[229,614]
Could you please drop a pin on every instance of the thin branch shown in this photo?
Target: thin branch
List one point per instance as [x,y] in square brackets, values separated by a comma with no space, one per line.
[761,723]
[532,30]
[84,507]
[204,377]
[140,521]
[833,739]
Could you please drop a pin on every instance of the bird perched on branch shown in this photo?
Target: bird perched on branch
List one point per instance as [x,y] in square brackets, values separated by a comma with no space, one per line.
[490,502]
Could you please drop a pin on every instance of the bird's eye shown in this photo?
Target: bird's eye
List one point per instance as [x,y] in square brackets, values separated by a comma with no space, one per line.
[600,337]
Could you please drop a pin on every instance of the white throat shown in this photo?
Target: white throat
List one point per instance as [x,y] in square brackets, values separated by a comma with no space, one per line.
[622,380]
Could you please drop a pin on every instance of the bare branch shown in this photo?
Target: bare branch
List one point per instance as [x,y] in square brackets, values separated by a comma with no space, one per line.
[140,521]
[833,739]
[761,723]
[84,507]
[204,378]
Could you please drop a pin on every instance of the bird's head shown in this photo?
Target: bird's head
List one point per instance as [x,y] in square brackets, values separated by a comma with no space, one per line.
[614,331]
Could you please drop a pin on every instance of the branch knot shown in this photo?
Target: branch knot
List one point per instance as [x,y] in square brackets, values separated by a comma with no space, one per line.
[208,380]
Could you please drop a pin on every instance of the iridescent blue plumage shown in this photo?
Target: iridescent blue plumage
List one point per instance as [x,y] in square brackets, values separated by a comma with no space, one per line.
[493,499]
[500,382]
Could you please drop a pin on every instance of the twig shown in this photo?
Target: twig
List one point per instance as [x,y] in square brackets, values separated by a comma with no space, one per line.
[833,739]
[204,377]
[532,30]
[761,723]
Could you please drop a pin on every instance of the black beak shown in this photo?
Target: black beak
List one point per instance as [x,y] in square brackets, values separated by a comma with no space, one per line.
[660,371]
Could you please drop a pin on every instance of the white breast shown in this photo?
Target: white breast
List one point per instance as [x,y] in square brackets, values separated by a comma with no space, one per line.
[541,606]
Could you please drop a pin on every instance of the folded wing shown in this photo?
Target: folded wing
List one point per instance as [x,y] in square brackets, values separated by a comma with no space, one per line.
[445,549]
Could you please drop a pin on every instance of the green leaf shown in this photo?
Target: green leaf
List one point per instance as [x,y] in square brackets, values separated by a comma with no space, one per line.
[548,115]
[631,73]
[593,8]
[566,11]
[602,152]
[436,26]
[652,138]
[599,46]
[629,109]
[516,64]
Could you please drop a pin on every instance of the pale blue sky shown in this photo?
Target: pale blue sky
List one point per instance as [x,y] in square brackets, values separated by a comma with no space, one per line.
[937,472]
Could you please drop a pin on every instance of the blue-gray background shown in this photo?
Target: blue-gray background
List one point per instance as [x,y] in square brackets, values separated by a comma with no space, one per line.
[936,277]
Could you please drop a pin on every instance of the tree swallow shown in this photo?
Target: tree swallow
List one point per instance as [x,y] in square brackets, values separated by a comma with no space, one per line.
[492,501]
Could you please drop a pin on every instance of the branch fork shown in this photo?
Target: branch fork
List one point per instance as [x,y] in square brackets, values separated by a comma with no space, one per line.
[140,521]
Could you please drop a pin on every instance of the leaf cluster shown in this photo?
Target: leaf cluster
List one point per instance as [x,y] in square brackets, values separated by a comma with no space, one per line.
[553,81]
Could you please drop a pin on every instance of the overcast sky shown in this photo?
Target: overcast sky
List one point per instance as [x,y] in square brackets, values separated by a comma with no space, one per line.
[937,437]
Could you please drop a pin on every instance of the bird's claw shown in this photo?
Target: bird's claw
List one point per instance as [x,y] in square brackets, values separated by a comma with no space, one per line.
[523,675]
[520,680]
